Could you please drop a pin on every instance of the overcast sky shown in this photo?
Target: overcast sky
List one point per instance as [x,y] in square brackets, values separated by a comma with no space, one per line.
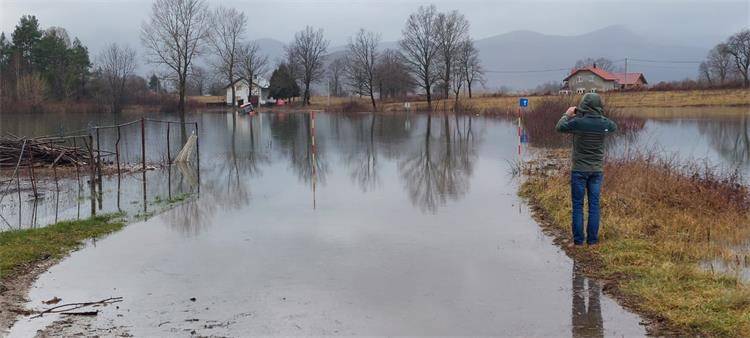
[692,23]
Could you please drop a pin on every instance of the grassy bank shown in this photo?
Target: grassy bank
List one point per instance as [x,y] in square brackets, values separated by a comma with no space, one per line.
[660,221]
[642,99]
[23,248]
[679,98]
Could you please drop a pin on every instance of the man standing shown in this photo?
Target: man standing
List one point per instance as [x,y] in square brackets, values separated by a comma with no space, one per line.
[589,127]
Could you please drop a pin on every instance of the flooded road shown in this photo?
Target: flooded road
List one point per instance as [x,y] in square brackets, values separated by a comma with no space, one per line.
[379,225]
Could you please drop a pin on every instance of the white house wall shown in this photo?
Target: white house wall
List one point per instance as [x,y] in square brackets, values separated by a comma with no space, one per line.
[241,93]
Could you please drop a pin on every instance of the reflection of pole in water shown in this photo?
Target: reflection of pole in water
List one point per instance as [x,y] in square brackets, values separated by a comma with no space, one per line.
[314,164]
[57,192]
[92,174]
[169,181]
[144,193]
[32,221]
[78,179]
[117,159]
[198,157]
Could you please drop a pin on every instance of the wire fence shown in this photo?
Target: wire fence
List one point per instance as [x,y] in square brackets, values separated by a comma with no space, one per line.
[82,158]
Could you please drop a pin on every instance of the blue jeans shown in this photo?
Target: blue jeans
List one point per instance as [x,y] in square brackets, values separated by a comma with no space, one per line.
[590,184]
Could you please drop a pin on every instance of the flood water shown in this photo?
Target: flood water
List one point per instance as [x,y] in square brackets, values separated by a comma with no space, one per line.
[400,224]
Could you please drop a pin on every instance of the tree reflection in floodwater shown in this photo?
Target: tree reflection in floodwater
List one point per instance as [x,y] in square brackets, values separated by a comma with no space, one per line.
[226,184]
[373,136]
[296,136]
[363,156]
[441,167]
[730,138]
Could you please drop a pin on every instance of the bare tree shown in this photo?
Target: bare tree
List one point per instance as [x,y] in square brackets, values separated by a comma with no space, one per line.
[173,35]
[470,64]
[198,80]
[392,74]
[419,47]
[603,63]
[452,31]
[116,64]
[362,57]
[457,81]
[738,46]
[719,63]
[704,73]
[336,70]
[253,63]
[307,53]
[225,39]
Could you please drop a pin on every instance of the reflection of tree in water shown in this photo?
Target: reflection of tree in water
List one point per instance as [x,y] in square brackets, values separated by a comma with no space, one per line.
[730,138]
[441,168]
[586,321]
[363,156]
[392,132]
[190,215]
[225,183]
[294,133]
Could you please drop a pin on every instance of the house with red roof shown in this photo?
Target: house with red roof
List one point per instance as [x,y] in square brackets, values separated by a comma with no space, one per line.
[592,79]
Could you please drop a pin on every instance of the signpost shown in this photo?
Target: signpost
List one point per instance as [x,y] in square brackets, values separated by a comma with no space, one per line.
[523,103]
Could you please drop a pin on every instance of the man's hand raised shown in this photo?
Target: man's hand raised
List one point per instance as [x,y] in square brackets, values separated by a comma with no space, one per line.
[571,112]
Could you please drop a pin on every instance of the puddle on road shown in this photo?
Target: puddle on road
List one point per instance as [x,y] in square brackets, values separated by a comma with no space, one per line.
[385,225]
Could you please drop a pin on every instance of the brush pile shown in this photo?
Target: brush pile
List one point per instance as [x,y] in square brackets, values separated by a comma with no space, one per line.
[40,151]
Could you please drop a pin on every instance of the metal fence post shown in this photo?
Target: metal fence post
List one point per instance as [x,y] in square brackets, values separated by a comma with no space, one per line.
[169,155]
[143,144]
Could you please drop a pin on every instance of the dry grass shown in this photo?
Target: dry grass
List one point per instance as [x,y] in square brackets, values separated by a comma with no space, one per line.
[688,98]
[493,105]
[539,122]
[207,99]
[660,220]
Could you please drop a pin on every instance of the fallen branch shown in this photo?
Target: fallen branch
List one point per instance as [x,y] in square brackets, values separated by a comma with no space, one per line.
[66,308]
[85,313]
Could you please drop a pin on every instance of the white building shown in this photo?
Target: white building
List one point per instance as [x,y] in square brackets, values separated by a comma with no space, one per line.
[242,95]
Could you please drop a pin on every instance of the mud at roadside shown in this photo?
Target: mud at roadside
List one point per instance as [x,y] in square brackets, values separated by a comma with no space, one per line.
[14,291]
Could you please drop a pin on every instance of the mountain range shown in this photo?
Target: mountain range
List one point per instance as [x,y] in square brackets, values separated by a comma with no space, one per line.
[525,59]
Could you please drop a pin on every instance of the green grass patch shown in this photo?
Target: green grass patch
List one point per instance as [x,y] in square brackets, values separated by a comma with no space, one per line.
[19,248]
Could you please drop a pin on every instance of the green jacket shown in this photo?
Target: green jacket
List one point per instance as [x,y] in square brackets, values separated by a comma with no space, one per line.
[589,127]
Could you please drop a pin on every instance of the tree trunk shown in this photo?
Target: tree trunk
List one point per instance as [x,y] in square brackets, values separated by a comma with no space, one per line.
[181,109]
[306,95]
[468,87]
[372,98]
[429,99]
[234,92]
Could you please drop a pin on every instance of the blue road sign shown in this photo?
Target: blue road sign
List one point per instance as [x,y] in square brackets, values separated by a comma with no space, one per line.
[523,102]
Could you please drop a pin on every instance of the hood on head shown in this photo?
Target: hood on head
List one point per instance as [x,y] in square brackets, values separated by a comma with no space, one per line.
[591,104]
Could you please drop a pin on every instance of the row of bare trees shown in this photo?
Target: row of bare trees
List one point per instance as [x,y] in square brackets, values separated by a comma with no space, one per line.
[436,53]
[179,31]
[439,52]
[728,61]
